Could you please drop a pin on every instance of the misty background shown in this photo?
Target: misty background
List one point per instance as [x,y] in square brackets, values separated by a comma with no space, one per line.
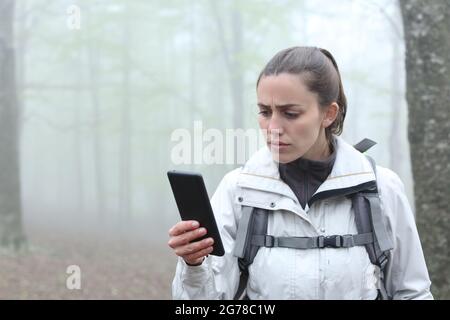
[102,85]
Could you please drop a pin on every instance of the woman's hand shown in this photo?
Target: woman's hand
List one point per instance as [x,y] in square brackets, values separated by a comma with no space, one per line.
[181,240]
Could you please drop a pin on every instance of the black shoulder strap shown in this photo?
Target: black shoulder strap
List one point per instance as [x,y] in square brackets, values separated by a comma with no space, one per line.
[256,221]
[368,218]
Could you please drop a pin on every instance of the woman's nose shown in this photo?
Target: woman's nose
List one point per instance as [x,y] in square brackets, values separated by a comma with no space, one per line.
[275,126]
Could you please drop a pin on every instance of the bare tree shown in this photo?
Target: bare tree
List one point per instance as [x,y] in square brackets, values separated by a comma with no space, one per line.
[192,69]
[232,55]
[427,35]
[397,158]
[94,69]
[11,233]
[125,143]
[236,71]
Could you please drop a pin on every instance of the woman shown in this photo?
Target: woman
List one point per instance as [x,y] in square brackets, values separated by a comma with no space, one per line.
[298,177]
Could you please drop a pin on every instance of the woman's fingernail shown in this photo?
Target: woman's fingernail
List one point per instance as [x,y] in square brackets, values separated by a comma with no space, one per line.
[195,224]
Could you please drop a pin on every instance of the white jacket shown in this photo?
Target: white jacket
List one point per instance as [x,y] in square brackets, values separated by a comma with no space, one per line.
[329,273]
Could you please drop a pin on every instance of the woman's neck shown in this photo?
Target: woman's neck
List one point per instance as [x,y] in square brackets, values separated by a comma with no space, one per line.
[320,150]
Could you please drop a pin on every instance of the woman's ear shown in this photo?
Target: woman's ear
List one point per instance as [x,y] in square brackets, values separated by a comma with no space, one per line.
[331,113]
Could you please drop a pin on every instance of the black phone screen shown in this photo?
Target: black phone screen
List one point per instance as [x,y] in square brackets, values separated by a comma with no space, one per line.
[193,204]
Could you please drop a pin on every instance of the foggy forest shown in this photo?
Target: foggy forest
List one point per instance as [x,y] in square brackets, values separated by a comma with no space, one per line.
[93,93]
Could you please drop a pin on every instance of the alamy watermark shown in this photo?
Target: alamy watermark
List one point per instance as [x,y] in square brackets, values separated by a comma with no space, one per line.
[73,281]
[213,146]
[73,20]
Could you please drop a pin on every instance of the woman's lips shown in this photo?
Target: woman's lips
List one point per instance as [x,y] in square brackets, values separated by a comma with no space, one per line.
[275,143]
[278,146]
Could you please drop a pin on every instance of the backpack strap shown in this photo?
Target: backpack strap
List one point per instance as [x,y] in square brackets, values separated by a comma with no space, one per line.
[364,145]
[241,236]
[320,242]
[369,218]
[383,240]
[253,222]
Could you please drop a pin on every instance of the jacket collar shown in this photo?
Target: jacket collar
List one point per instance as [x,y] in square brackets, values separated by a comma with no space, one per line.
[351,169]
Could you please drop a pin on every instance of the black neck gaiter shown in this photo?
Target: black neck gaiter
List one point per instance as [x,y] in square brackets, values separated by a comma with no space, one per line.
[305,176]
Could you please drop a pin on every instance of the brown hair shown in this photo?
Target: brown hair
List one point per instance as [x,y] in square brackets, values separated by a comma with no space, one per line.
[319,75]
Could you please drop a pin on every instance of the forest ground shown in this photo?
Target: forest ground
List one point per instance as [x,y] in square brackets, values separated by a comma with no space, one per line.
[110,268]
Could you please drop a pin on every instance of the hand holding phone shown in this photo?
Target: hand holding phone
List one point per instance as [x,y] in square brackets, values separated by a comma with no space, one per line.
[193,205]
[182,241]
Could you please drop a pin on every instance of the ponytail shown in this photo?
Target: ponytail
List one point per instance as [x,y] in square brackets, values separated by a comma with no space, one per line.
[338,125]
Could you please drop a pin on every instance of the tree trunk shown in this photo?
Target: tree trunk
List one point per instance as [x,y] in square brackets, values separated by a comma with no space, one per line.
[397,157]
[192,74]
[232,59]
[237,76]
[427,34]
[93,63]
[21,36]
[11,232]
[125,144]
[77,137]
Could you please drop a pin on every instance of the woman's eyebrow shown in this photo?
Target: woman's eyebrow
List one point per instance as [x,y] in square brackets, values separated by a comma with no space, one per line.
[280,106]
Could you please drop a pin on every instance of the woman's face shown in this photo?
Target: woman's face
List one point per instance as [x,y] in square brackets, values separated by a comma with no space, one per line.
[291,118]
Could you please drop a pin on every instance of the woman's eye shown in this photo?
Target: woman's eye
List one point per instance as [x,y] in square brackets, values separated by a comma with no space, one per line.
[264,113]
[291,115]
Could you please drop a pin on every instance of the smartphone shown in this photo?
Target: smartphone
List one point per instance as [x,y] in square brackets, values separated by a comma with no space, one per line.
[193,204]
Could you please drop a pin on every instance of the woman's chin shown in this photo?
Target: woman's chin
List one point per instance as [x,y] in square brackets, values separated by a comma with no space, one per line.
[284,157]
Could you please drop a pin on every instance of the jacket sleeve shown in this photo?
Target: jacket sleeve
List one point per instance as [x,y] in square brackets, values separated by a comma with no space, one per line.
[406,273]
[217,277]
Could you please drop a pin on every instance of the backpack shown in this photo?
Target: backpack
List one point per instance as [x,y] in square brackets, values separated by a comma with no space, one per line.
[372,233]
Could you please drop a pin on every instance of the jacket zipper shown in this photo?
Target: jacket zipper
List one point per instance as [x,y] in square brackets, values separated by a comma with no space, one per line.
[306,191]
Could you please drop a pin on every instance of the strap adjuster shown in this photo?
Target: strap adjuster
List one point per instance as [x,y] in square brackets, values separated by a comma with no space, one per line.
[382,261]
[269,241]
[329,241]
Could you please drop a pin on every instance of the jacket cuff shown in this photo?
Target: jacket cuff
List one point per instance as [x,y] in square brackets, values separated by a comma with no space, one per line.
[193,275]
